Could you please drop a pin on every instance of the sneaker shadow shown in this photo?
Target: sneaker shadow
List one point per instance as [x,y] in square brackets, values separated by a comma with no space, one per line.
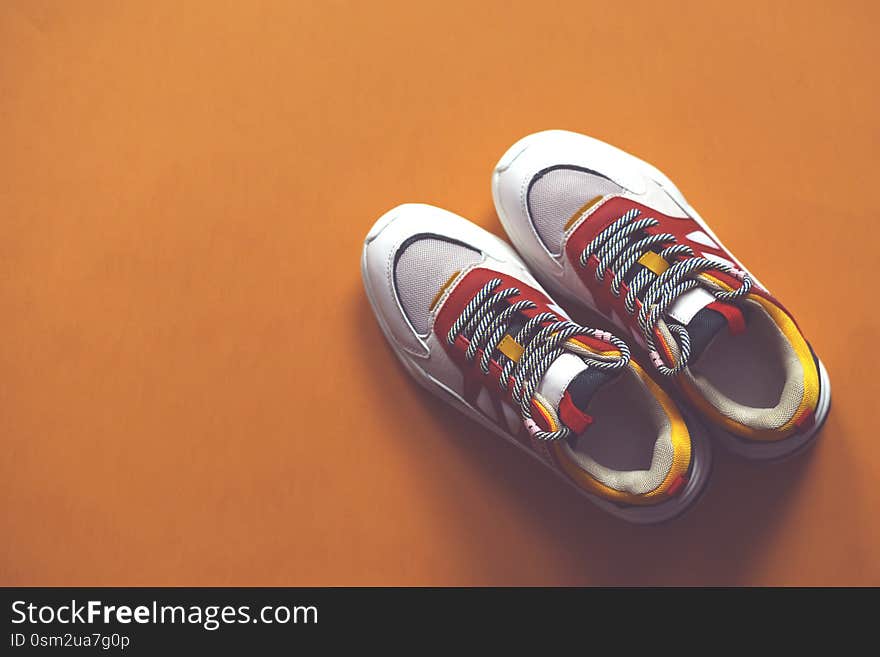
[714,543]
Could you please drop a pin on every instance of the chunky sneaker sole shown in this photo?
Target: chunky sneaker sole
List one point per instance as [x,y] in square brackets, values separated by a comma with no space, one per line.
[603,228]
[472,325]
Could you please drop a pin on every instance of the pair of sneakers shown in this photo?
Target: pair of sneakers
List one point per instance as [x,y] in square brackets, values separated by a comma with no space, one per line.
[474,322]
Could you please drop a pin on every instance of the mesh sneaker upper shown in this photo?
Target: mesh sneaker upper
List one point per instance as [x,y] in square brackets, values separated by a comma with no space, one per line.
[423,264]
[556,194]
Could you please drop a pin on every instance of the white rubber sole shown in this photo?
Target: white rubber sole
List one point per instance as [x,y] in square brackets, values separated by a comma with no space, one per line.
[701,448]
[753,450]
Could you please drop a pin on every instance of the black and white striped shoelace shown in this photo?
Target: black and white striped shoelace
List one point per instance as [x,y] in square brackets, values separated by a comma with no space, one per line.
[486,319]
[619,247]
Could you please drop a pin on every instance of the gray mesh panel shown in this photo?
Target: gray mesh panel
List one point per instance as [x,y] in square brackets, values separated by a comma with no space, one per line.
[557,195]
[423,266]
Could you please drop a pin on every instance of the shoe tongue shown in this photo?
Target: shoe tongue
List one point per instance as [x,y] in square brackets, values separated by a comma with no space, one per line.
[568,385]
[710,321]
[702,314]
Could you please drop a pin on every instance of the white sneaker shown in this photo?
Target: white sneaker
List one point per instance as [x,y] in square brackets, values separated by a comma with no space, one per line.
[610,231]
[473,326]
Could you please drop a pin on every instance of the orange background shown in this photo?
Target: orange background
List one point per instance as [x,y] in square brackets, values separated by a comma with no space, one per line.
[193,389]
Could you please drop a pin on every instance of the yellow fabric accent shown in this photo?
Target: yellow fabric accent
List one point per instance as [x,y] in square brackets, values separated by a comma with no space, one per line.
[811,378]
[554,426]
[577,215]
[443,289]
[610,352]
[510,348]
[653,262]
[681,453]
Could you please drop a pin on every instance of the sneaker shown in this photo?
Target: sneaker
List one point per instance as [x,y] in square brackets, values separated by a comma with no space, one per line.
[471,324]
[603,228]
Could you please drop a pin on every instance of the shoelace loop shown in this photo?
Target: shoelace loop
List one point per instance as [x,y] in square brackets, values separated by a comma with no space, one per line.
[619,246]
[485,320]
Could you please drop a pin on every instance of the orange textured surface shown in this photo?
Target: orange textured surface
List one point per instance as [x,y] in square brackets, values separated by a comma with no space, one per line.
[194,390]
